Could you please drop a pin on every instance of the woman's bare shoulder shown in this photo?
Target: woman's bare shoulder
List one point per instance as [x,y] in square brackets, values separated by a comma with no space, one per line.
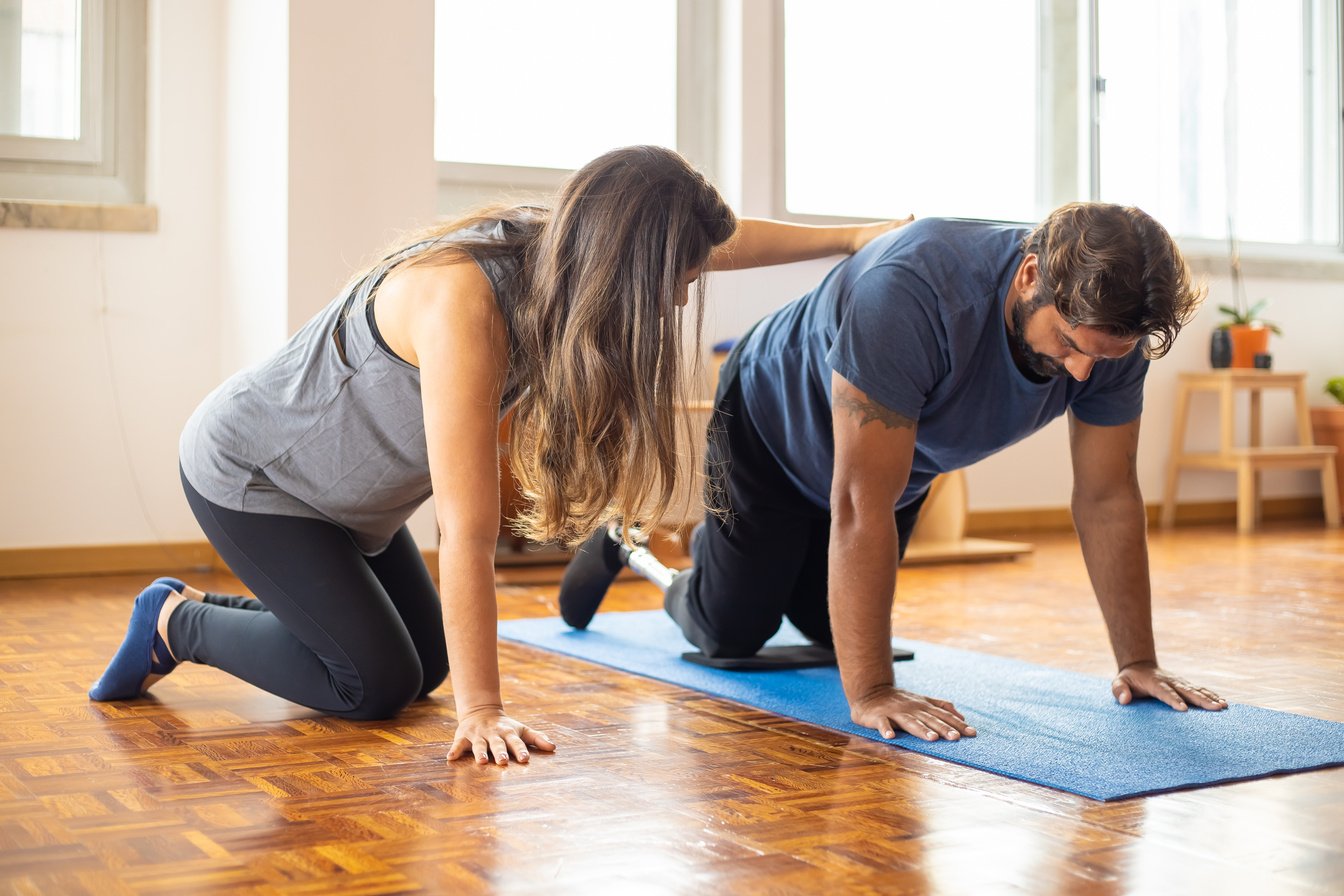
[416,299]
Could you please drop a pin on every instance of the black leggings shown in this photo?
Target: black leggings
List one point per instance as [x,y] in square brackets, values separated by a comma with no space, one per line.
[331,629]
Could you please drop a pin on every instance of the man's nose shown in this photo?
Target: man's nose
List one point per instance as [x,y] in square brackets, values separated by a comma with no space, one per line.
[1079,366]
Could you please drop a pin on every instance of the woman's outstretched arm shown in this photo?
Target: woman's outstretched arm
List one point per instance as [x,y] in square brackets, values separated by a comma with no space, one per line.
[760,242]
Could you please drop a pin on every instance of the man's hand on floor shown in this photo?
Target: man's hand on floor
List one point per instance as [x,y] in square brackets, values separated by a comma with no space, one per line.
[1149,680]
[928,718]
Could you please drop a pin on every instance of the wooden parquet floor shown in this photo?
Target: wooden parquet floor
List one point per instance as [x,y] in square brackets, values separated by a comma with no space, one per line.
[211,786]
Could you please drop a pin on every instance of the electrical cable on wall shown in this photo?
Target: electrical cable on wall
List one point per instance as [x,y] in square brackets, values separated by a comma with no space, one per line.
[104,311]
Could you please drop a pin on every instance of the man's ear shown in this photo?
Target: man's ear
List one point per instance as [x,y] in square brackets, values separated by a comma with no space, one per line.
[1028,274]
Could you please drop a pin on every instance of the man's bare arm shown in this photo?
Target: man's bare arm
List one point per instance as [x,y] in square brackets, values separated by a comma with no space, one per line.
[1109,514]
[874,448]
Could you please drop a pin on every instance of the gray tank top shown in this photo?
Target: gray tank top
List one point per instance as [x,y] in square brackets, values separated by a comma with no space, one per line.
[331,426]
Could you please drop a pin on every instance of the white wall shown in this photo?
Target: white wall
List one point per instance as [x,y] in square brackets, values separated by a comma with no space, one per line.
[361,134]
[287,142]
[252,303]
[108,339]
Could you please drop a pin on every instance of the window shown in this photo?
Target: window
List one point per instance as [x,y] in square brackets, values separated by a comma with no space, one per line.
[1213,116]
[1222,112]
[42,83]
[528,90]
[72,102]
[564,83]
[903,105]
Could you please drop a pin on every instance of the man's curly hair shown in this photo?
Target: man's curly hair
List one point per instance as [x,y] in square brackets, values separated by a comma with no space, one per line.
[1114,268]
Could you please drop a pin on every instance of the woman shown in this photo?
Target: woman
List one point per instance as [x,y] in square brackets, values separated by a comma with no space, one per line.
[303,470]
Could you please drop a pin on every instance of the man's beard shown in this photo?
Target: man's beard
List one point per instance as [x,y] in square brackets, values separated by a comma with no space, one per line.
[1037,365]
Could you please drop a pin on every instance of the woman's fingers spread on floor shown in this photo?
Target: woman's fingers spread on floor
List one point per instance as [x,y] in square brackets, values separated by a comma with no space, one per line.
[517,749]
[537,740]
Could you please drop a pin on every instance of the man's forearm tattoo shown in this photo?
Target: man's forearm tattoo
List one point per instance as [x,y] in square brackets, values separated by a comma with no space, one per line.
[868,411]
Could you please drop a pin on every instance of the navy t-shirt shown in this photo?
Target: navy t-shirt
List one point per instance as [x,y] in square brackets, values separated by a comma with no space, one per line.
[916,320]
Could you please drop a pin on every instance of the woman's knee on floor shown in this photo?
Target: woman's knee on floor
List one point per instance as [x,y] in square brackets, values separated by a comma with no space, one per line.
[435,674]
[390,686]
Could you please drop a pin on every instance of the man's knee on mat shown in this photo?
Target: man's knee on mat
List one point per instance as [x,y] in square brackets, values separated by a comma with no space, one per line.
[740,635]
[743,640]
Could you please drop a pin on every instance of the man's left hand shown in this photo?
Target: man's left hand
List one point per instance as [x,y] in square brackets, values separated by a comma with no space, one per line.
[1148,680]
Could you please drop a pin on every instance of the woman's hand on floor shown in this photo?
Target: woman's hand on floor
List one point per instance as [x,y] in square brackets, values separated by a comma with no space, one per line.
[489,733]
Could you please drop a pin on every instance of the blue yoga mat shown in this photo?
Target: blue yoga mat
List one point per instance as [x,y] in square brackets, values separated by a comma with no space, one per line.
[1037,724]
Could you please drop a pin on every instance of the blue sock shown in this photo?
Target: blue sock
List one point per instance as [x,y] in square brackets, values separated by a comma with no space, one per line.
[142,652]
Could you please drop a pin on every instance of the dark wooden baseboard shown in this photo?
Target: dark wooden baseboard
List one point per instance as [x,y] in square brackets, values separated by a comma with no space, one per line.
[84,560]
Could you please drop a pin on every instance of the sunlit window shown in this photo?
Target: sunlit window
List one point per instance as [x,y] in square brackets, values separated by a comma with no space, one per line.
[41,98]
[1222,114]
[1217,116]
[536,83]
[906,105]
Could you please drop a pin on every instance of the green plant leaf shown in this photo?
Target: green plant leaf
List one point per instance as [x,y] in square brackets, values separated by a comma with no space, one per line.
[1335,387]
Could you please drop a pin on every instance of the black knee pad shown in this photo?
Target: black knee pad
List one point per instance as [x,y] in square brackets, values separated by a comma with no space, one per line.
[734,647]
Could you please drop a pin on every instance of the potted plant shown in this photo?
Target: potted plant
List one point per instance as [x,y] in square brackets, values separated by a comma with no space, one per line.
[1327,427]
[1248,332]
[1237,341]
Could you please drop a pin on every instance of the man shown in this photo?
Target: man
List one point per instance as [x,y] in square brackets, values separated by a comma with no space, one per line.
[933,347]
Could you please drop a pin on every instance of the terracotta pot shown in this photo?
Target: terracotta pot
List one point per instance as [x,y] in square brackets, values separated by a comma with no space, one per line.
[1248,340]
[1327,428]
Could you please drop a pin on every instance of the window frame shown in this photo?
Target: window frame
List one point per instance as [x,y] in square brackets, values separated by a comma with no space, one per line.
[106,165]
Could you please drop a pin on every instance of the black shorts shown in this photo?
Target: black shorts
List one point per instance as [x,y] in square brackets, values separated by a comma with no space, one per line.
[765,558]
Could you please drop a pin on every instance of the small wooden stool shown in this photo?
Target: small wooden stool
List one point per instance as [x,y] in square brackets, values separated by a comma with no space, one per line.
[940,532]
[1247,462]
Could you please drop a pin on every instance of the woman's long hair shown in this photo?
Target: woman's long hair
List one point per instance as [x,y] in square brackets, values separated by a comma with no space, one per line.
[599,341]
[597,334]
